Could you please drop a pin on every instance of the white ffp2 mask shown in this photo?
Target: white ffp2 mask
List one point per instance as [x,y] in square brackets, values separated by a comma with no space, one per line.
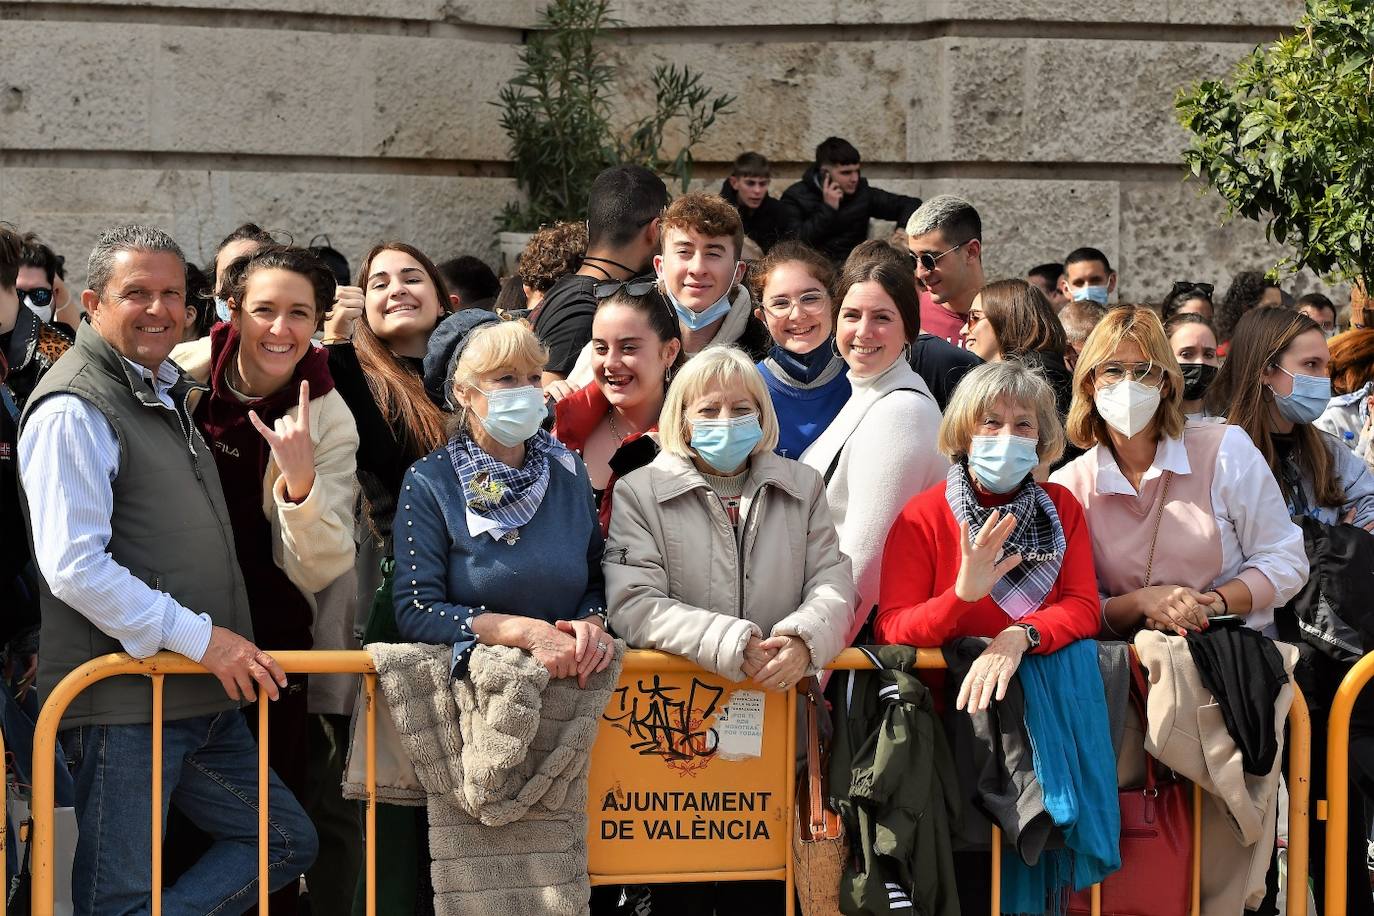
[1127,406]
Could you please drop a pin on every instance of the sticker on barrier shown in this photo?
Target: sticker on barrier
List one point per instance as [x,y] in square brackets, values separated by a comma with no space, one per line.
[689,774]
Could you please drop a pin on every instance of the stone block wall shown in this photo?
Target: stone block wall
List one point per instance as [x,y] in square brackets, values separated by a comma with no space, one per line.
[370,119]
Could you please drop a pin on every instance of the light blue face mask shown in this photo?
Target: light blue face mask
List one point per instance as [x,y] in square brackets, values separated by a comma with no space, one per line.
[725,444]
[1097,294]
[1001,462]
[695,321]
[221,309]
[514,414]
[1311,394]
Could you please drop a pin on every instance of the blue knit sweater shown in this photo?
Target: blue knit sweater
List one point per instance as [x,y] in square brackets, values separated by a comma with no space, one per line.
[803,413]
[445,576]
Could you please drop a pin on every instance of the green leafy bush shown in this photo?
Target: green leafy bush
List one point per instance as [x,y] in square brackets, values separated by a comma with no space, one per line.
[557,112]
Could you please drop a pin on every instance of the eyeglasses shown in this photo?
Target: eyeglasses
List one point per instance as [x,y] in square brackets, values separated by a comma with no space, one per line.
[1188,286]
[38,298]
[635,286]
[928,261]
[1110,373]
[809,303]
[974,318]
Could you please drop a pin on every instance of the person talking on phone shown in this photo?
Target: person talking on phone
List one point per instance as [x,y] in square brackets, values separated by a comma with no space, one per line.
[1188,523]
[833,202]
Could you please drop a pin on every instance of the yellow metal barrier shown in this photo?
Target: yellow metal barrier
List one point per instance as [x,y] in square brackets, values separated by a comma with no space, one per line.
[1338,781]
[690,751]
[157,668]
[636,664]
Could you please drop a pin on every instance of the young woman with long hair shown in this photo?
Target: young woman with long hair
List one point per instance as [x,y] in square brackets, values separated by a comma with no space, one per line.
[1274,385]
[377,334]
[376,352]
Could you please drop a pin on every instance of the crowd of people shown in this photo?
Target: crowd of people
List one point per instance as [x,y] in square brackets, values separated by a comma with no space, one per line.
[727,426]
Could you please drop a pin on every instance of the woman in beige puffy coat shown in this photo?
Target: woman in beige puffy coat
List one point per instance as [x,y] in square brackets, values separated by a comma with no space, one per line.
[724,553]
[721,551]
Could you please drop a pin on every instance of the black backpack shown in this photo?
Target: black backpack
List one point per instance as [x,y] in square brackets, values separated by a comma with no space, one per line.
[1334,611]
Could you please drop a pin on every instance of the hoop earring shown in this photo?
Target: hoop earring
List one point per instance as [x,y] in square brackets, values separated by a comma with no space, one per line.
[906,352]
[835,348]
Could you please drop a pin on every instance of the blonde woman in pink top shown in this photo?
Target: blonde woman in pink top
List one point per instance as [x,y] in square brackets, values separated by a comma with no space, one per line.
[1187,520]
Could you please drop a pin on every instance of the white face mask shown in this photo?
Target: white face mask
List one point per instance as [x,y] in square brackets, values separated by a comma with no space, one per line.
[44,312]
[1128,406]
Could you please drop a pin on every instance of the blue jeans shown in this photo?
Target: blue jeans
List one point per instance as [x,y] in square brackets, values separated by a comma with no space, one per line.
[17,724]
[210,773]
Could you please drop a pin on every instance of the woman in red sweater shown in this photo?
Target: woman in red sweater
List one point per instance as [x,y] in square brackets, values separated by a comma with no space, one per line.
[990,552]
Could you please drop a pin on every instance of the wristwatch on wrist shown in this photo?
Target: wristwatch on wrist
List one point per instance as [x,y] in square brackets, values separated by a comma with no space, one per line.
[1032,634]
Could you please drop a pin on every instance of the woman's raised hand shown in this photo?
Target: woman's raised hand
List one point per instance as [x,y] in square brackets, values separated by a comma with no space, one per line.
[343,315]
[292,447]
[559,390]
[979,568]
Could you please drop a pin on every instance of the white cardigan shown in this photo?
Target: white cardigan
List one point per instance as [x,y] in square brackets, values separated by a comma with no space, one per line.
[882,447]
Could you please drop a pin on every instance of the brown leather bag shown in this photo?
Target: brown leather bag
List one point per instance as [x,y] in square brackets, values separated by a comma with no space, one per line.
[819,847]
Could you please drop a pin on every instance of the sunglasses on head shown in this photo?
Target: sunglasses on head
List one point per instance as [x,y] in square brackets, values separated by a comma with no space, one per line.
[635,286]
[38,298]
[1188,286]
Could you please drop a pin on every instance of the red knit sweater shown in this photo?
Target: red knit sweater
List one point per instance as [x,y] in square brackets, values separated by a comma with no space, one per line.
[916,601]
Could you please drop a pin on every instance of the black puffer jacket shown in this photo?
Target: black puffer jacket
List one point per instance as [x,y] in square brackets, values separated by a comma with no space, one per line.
[767,225]
[835,232]
[30,349]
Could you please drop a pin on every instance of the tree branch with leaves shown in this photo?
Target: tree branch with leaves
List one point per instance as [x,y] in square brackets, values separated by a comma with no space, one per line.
[1288,139]
[557,112]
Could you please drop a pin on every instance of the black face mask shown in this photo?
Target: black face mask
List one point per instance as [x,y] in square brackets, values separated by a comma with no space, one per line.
[1197,377]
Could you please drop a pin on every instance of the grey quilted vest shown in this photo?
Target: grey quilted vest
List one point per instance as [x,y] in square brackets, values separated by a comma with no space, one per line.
[170,528]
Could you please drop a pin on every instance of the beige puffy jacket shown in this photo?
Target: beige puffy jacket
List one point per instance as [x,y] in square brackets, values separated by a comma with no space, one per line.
[676,581]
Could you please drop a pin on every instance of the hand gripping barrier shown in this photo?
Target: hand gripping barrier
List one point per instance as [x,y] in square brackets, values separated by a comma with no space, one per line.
[673,734]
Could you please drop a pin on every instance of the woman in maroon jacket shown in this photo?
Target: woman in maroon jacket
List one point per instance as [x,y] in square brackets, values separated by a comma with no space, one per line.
[285,447]
[613,422]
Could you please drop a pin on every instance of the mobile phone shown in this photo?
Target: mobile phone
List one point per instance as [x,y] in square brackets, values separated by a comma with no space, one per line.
[1225,620]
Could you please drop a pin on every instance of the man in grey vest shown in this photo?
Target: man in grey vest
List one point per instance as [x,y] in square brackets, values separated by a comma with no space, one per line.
[132,539]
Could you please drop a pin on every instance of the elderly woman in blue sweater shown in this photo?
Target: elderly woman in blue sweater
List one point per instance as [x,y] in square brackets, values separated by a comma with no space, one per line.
[497,540]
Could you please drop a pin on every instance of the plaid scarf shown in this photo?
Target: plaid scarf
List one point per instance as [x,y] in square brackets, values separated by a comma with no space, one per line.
[1038,537]
[495,490]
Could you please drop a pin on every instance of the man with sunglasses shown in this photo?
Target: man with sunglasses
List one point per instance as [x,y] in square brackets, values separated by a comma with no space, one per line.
[622,235]
[29,340]
[945,237]
[30,346]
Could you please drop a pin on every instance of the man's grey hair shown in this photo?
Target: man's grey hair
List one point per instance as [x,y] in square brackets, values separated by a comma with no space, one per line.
[1079,318]
[953,217]
[125,238]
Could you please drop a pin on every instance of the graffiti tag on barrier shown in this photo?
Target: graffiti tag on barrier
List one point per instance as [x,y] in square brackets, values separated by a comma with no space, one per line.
[665,724]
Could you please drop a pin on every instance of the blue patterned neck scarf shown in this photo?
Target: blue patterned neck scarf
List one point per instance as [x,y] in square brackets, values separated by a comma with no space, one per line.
[495,490]
[1038,537]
